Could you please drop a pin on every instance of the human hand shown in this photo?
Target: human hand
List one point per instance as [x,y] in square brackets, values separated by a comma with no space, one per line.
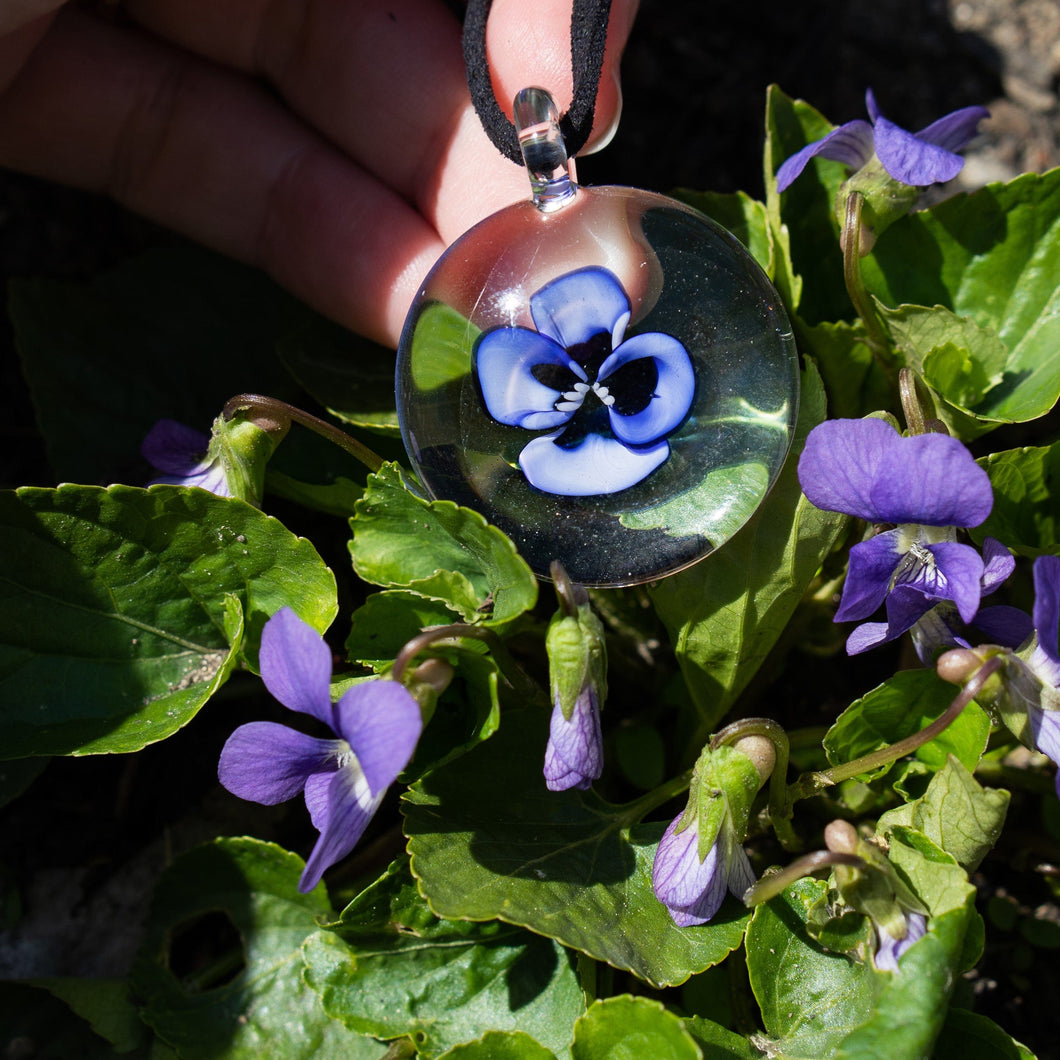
[332,144]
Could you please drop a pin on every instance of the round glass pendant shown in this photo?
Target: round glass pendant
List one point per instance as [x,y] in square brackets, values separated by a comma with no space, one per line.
[603,373]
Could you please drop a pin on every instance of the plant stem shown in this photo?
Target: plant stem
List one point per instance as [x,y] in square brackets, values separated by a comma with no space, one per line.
[811,783]
[280,410]
[875,335]
[770,886]
[512,672]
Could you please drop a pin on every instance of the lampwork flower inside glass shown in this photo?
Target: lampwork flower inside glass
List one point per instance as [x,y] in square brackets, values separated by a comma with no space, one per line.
[613,384]
[613,401]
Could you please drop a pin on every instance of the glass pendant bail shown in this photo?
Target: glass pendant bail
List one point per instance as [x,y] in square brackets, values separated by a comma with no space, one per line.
[551,172]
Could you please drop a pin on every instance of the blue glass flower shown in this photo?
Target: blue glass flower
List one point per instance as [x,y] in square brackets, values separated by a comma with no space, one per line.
[609,403]
[925,486]
[693,890]
[889,948]
[574,757]
[377,724]
[917,159]
[182,455]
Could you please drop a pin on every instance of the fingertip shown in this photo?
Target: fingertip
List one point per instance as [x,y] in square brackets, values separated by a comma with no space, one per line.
[537,52]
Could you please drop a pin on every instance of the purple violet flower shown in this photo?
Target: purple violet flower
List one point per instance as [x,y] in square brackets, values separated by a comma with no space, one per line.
[607,401]
[182,455]
[574,757]
[938,627]
[926,486]
[377,723]
[916,159]
[693,890]
[889,948]
[1026,690]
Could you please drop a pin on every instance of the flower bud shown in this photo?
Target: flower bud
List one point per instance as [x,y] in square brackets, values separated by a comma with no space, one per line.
[244,446]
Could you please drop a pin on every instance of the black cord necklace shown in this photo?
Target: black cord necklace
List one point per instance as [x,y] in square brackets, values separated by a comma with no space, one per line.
[588,36]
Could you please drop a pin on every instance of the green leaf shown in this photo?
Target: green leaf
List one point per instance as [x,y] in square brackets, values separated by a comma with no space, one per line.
[439,550]
[1026,510]
[901,706]
[717,1043]
[488,839]
[266,1008]
[632,1028]
[500,1045]
[106,1005]
[962,361]
[744,217]
[911,1007]
[989,257]
[852,377]
[123,608]
[468,711]
[725,613]
[350,376]
[37,1025]
[387,620]
[956,813]
[204,325]
[970,1036]
[390,968]
[810,999]
[806,210]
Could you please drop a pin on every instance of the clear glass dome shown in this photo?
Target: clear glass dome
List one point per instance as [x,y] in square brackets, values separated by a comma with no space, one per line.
[613,382]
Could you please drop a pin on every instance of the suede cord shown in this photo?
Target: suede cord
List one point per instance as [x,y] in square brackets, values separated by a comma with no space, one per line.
[588,35]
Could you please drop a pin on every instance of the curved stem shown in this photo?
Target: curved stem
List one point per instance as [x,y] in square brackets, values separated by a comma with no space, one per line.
[875,335]
[512,672]
[779,805]
[571,594]
[770,886]
[280,410]
[811,783]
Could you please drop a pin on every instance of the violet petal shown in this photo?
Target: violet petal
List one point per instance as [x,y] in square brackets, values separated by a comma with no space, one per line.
[850,144]
[673,391]
[574,754]
[597,464]
[912,160]
[175,449]
[349,808]
[1004,625]
[505,359]
[1045,730]
[574,307]
[956,575]
[381,722]
[692,890]
[270,763]
[906,605]
[998,564]
[296,666]
[954,130]
[868,580]
[841,462]
[868,635]
[890,948]
[931,479]
[1047,605]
